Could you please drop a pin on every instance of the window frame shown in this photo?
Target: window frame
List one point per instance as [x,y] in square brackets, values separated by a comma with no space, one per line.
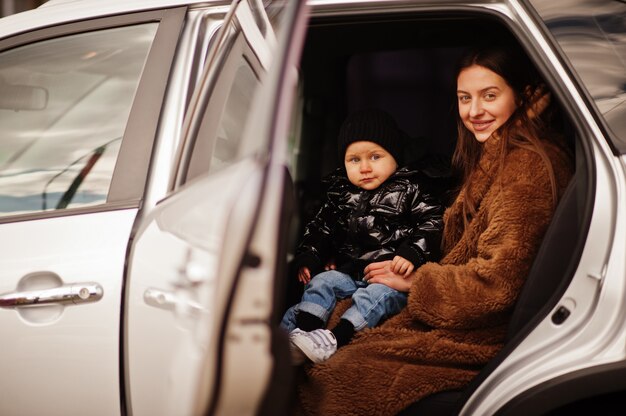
[232,42]
[130,175]
[237,52]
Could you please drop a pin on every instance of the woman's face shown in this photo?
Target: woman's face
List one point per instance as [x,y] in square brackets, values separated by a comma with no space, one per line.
[486,101]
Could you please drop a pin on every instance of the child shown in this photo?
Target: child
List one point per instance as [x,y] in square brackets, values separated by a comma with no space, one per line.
[373,212]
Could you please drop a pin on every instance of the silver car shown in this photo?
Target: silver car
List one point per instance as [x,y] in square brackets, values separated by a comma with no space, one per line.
[159,159]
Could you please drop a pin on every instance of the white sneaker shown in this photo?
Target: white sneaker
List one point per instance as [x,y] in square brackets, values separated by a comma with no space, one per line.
[318,345]
[297,356]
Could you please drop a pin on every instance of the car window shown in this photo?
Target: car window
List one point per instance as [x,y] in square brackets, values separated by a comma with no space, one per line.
[236,109]
[217,143]
[213,153]
[64,105]
[593,36]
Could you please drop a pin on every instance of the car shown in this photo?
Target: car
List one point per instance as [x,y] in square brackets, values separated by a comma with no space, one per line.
[160,158]
[93,98]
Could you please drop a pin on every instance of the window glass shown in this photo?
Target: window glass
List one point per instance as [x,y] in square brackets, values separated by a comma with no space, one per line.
[64,105]
[593,36]
[236,110]
[218,141]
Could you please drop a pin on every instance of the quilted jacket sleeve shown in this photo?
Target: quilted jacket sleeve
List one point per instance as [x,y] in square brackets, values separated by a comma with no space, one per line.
[481,290]
[427,215]
[315,247]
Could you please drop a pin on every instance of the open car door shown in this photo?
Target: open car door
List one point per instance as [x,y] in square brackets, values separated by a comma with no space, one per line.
[199,331]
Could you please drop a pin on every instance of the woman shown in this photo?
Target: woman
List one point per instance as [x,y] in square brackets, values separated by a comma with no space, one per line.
[513,172]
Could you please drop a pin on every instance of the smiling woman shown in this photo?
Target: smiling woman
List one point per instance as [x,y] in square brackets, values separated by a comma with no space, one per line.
[497,91]
[486,101]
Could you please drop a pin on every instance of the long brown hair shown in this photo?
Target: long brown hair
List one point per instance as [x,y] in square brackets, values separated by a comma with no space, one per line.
[520,130]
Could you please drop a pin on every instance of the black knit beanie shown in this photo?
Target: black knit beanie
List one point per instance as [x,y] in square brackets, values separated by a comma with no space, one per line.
[371,125]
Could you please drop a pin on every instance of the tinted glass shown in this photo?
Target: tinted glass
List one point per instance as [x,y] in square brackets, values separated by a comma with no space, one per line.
[592,33]
[235,115]
[64,105]
[218,142]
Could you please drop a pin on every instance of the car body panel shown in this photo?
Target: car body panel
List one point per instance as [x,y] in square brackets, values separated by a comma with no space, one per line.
[57,351]
[189,264]
[58,12]
[61,249]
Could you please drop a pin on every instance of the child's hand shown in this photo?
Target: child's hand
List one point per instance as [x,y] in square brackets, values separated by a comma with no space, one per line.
[304,275]
[330,265]
[401,266]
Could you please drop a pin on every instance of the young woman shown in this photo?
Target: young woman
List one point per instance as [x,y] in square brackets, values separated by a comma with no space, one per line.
[513,172]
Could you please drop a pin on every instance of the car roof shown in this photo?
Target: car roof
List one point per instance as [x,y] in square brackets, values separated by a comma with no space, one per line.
[60,11]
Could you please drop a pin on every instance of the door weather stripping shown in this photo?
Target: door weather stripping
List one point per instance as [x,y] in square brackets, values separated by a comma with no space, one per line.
[73,294]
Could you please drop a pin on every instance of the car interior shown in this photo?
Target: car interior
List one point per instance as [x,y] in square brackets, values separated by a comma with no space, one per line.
[404,64]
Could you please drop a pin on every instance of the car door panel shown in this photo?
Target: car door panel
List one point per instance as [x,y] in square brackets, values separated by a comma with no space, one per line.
[63,351]
[177,286]
[72,174]
[191,250]
[247,353]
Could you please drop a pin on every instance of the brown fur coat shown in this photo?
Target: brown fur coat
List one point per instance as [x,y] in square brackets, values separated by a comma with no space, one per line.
[457,311]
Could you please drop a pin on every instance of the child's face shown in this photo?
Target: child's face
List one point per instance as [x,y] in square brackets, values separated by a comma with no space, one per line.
[368,165]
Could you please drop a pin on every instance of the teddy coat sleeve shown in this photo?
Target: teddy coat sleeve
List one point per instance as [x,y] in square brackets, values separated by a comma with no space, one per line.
[478,280]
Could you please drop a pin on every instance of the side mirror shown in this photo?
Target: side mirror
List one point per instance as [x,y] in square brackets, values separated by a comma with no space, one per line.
[22,97]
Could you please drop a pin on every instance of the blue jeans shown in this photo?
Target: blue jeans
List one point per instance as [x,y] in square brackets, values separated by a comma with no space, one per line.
[370,302]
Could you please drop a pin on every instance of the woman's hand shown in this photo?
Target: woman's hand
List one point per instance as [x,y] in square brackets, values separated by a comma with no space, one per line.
[304,275]
[382,272]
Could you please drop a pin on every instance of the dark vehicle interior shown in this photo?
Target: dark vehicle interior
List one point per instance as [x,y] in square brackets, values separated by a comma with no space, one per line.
[405,64]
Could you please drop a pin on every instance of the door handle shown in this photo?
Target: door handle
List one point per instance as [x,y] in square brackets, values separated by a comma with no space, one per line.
[171,302]
[160,299]
[73,294]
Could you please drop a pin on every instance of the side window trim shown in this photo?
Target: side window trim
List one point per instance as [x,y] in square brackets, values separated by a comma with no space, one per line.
[82,26]
[131,172]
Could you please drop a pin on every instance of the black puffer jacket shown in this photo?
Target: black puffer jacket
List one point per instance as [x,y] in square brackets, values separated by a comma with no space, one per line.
[356,227]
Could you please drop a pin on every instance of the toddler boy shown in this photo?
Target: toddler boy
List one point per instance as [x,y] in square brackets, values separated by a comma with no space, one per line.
[373,211]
